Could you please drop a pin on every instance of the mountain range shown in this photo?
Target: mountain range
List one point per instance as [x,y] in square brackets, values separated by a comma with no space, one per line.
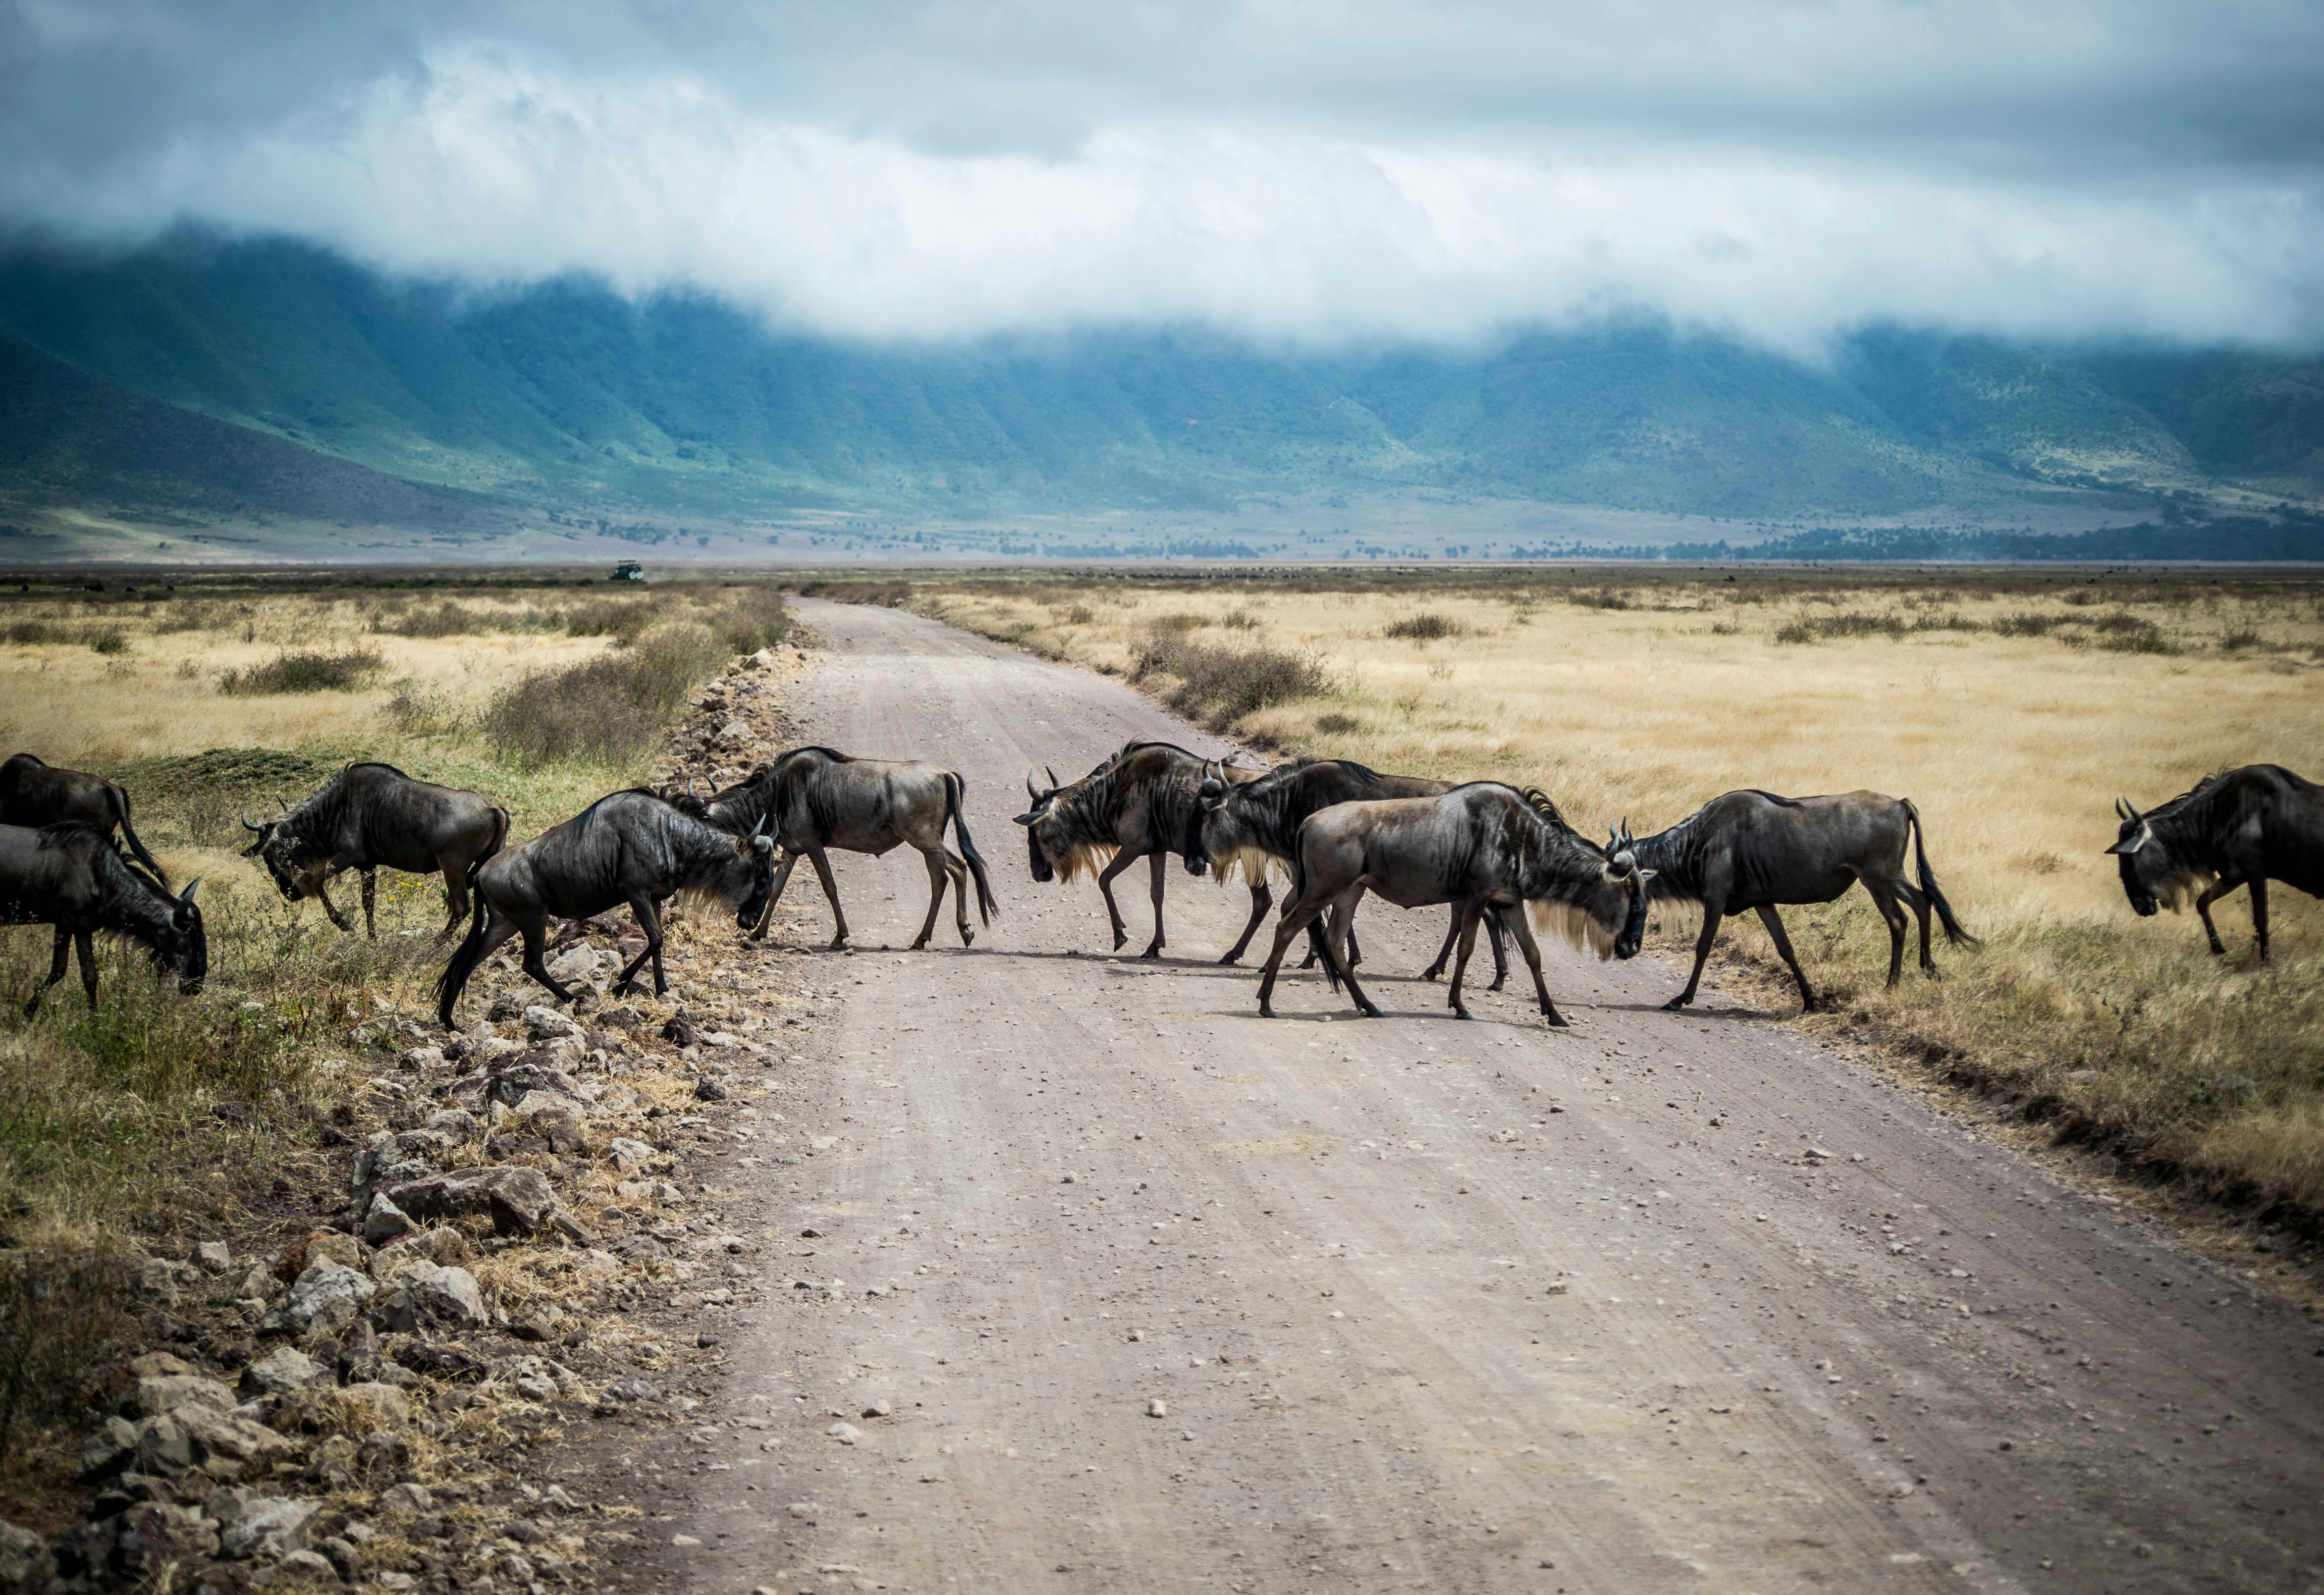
[256,383]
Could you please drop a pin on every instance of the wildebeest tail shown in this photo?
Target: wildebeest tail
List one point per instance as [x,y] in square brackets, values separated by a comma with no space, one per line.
[955,796]
[500,835]
[119,802]
[1928,881]
[471,950]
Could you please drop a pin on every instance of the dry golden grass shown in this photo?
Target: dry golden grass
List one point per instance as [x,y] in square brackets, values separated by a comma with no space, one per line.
[2011,709]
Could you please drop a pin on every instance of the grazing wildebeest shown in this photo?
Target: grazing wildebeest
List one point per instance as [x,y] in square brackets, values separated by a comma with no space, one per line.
[818,799]
[1754,850]
[1135,805]
[374,814]
[68,875]
[1256,823]
[1480,847]
[34,794]
[2239,827]
[627,847]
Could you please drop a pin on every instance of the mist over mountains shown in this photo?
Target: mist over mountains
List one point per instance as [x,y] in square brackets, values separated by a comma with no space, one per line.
[332,393]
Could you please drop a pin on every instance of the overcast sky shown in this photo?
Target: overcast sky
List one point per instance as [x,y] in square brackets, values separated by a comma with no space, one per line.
[1365,170]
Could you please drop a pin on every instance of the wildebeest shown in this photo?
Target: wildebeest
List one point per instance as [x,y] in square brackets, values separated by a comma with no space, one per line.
[1754,850]
[627,847]
[1135,805]
[818,799]
[2239,827]
[374,814]
[1480,847]
[34,794]
[1252,824]
[69,876]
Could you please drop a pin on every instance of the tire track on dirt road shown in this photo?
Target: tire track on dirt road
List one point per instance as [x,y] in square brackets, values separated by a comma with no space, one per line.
[1664,1302]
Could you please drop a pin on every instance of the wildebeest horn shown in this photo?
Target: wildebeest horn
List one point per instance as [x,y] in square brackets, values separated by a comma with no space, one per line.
[244,815]
[689,784]
[2123,809]
[282,805]
[761,829]
[1051,772]
[1032,786]
[187,896]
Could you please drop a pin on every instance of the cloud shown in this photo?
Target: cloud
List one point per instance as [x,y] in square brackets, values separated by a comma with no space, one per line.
[1284,170]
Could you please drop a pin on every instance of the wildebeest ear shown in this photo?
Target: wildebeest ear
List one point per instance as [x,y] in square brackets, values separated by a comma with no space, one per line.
[2138,839]
[1028,818]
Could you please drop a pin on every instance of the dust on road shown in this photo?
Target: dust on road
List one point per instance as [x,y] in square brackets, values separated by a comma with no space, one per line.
[1138,1291]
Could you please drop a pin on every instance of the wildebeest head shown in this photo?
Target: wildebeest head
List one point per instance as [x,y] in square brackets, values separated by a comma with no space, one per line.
[2149,876]
[1623,873]
[1039,818]
[761,902]
[1208,824]
[184,949]
[299,867]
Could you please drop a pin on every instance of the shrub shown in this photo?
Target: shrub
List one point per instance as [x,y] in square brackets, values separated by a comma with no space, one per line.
[1338,724]
[625,619]
[2027,626]
[2241,638]
[108,641]
[447,620]
[1179,620]
[1599,597]
[346,671]
[755,618]
[1225,684]
[28,632]
[1427,626]
[886,594]
[607,710]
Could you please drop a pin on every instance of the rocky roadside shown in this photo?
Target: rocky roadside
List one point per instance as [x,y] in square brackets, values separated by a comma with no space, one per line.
[519,1247]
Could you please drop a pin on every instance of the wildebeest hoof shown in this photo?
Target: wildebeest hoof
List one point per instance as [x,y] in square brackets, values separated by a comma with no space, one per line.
[1497,985]
[1370,1012]
[1230,957]
[1152,952]
[1430,974]
[1673,1005]
[1557,1021]
[967,936]
[1462,1013]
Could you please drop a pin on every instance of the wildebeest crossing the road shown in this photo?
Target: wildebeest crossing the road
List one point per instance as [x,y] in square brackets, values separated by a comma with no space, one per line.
[374,814]
[1253,822]
[1754,850]
[1480,847]
[817,799]
[2240,828]
[1136,805]
[628,847]
[34,794]
[68,876]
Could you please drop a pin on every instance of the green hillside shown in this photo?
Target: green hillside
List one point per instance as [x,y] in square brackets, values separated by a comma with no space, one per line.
[566,396]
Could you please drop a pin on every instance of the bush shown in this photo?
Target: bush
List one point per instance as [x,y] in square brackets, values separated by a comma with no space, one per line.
[447,620]
[1427,626]
[625,619]
[108,641]
[608,710]
[305,672]
[1225,684]
[1599,598]
[1179,620]
[886,594]
[755,618]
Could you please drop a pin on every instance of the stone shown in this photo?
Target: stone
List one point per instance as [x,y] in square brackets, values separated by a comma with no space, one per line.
[847,1433]
[146,1547]
[633,1391]
[160,1365]
[20,1550]
[259,1285]
[381,1405]
[735,731]
[151,1397]
[301,1567]
[326,1296]
[709,1090]
[157,1280]
[341,1555]
[419,1060]
[542,1023]
[334,1244]
[517,1200]
[575,965]
[507,1006]
[406,1500]
[631,1156]
[1157,1409]
[457,1123]
[282,1372]
[109,1450]
[214,1257]
[386,1221]
[448,1297]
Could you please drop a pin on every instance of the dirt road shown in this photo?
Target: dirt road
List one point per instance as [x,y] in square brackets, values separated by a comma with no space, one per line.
[1663,1302]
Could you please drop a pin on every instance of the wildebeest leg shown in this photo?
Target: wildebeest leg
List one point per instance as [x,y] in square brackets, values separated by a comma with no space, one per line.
[1158,867]
[1791,960]
[57,966]
[774,896]
[1494,920]
[821,862]
[1523,932]
[536,940]
[370,897]
[2259,913]
[1892,912]
[1261,899]
[1470,915]
[456,894]
[84,944]
[1297,918]
[1445,953]
[1710,918]
[936,880]
[1918,901]
[1334,942]
[1115,866]
[958,868]
[323,896]
[649,919]
[2212,894]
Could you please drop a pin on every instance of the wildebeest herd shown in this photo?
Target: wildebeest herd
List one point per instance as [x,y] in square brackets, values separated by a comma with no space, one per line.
[1498,857]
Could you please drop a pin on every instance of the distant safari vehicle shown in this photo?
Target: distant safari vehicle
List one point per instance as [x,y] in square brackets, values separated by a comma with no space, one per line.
[628,570]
